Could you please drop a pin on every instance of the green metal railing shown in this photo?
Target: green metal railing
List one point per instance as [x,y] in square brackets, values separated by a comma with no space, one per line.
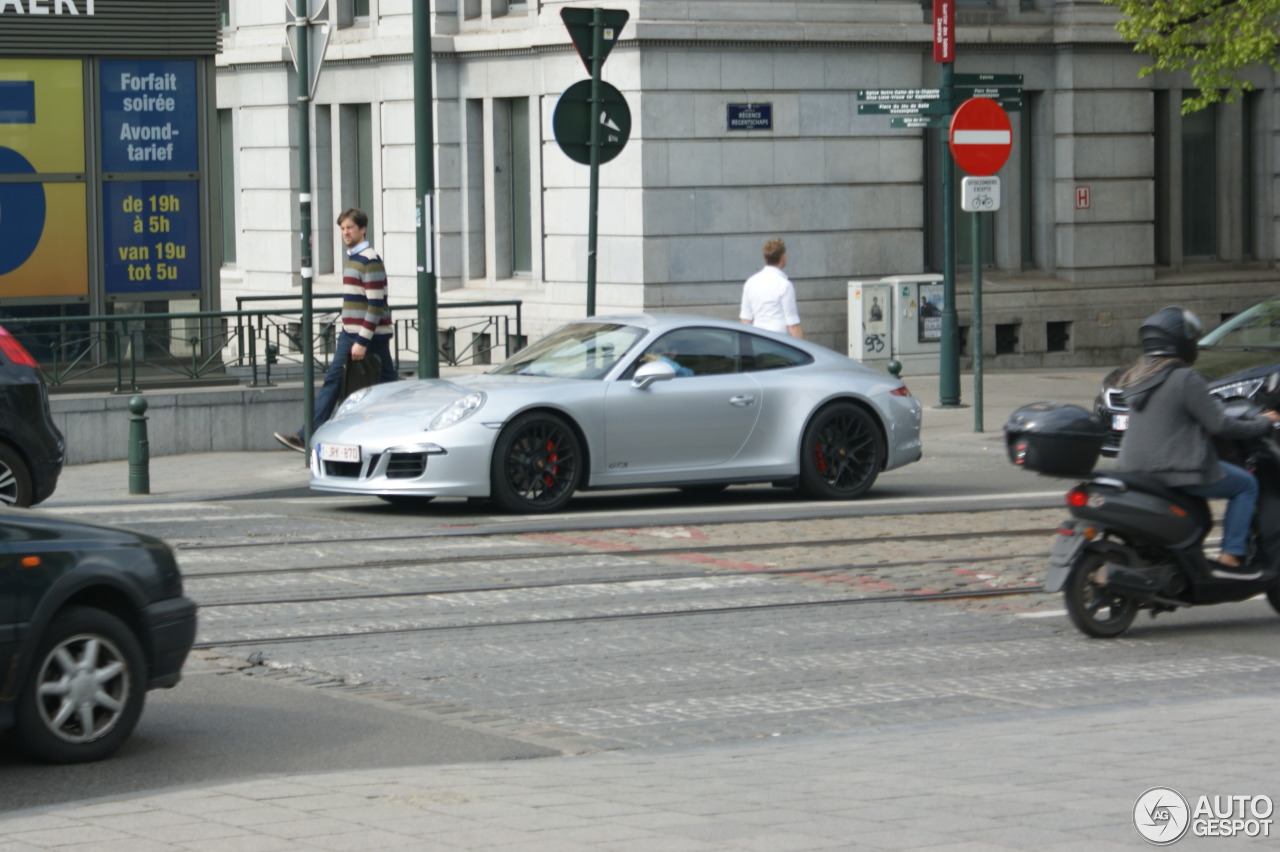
[242,346]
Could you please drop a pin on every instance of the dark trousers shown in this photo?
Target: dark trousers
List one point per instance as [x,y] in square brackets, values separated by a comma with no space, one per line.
[327,398]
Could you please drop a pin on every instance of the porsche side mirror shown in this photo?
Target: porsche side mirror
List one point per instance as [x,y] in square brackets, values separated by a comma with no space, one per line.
[654,371]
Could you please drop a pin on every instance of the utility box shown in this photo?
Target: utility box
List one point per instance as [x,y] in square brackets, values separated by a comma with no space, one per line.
[897,317]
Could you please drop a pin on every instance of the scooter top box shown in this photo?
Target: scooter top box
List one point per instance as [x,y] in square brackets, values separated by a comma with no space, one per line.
[1054,438]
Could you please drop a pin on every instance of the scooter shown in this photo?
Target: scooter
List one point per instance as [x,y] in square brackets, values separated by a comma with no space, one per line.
[1134,544]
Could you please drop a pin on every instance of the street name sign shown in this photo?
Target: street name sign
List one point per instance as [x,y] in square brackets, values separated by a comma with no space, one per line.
[914,108]
[981,137]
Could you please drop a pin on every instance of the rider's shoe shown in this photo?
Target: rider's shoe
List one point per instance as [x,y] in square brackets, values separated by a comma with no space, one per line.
[1232,572]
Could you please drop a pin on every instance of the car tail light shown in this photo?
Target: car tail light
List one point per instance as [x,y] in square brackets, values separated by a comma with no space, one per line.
[1077,497]
[15,351]
[902,391]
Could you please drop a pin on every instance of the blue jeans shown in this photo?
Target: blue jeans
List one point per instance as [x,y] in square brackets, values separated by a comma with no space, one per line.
[327,398]
[1241,489]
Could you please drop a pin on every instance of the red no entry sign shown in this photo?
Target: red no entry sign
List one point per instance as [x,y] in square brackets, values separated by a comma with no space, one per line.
[981,136]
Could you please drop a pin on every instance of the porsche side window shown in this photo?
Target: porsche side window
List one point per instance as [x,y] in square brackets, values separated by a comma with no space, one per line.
[693,352]
[760,353]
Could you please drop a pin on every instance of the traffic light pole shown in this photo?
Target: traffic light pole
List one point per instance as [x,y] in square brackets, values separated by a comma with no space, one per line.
[304,219]
[593,196]
[424,154]
[949,355]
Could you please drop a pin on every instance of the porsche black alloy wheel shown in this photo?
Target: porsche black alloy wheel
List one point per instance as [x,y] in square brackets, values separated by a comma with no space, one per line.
[537,464]
[841,454]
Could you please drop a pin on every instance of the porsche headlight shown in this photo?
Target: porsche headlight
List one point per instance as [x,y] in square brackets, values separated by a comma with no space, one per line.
[352,402]
[1238,390]
[457,411]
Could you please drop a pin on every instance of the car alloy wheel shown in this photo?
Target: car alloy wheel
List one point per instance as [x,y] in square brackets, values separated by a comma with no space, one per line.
[537,464]
[841,454]
[15,479]
[85,694]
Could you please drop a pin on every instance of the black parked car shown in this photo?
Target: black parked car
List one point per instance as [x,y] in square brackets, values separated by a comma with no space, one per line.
[31,448]
[91,618]
[1236,358]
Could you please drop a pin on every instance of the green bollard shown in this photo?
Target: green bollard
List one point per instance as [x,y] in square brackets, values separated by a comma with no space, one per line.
[895,368]
[139,447]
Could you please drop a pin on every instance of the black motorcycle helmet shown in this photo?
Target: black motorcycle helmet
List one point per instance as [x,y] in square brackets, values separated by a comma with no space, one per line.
[1172,331]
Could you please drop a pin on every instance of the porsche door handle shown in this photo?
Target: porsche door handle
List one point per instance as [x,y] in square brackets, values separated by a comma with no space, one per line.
[742,400]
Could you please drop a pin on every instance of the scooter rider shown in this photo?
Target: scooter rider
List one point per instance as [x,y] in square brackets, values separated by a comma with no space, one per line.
[1172,417]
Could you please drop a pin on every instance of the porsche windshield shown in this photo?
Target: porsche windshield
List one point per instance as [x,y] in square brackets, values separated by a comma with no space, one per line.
[578,351]
[1256,328]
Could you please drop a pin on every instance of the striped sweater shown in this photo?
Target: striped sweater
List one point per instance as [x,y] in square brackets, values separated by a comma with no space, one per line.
[364,294]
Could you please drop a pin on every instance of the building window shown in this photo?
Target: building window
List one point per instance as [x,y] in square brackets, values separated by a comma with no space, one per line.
[1199,184]
[224,14]
[350,13]
[474,195]
[1208,167]
[355,156]
[227,185]
[512,178]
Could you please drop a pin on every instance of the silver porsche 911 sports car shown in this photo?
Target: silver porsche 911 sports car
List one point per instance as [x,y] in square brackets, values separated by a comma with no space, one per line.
[620,402]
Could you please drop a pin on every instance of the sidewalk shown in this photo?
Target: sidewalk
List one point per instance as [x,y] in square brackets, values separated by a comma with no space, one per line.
[1061,781]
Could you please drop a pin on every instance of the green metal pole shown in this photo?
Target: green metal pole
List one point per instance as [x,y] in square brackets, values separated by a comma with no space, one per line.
[139,447]
[949,353]
[304,218]
[593,197]
[424,154]
[975,331]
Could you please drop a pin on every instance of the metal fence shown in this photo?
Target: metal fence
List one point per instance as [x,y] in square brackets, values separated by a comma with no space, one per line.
[255,347]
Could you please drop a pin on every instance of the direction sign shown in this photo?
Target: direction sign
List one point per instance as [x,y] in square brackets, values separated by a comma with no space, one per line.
[986,79]
[994,92]
[899,94]
[914,108]
[981,137]
[919,122]
[579,23]
[571,122]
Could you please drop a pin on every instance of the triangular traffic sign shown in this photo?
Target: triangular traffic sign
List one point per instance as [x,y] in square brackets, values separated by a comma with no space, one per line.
[579,22]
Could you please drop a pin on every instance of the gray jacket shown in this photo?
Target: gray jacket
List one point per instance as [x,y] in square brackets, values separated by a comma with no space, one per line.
[1171,418]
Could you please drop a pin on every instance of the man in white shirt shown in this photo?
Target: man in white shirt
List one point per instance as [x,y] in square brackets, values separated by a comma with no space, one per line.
[768,298]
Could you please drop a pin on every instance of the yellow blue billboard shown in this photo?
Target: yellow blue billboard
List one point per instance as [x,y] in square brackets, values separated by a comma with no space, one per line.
[42,180]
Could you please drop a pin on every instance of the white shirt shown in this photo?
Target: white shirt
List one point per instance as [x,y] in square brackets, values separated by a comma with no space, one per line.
[769,300]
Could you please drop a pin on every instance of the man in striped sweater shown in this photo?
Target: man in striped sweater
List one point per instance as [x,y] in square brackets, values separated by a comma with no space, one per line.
[366,320]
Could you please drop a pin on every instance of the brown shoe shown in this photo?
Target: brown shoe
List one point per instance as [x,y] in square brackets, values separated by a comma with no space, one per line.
[293,441]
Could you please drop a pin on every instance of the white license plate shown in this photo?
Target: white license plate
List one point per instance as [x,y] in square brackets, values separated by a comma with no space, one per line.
[1119,422]
[340,452]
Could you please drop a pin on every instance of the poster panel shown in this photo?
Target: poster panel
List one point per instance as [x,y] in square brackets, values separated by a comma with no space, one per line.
[152,236]
[929,298]
[149,115]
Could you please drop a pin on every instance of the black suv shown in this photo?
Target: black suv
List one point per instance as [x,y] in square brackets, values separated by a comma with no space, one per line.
[91,617]
[31,447]
[1236,358]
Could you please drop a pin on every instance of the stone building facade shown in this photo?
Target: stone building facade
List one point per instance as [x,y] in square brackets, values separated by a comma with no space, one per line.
[1114,203]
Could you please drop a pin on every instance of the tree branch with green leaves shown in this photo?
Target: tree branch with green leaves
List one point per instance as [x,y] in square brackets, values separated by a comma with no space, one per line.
[1214,40]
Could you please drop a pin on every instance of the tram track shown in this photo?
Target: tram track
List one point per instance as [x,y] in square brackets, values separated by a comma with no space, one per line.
[639,552]
[924,597]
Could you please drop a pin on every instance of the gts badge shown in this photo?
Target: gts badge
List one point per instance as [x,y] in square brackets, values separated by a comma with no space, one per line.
[1097,501]
[618,465]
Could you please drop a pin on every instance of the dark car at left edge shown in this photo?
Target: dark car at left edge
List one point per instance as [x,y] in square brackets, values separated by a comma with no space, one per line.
[91,617]
[31,447]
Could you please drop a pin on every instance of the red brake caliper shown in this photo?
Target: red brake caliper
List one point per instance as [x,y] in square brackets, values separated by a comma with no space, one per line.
[550,472]
[820,457]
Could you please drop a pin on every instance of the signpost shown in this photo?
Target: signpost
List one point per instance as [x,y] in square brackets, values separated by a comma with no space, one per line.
[594,33]
[981,140]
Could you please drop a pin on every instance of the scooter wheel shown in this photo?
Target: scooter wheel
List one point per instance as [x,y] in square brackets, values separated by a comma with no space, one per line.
[1273,595]
[1095,610]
